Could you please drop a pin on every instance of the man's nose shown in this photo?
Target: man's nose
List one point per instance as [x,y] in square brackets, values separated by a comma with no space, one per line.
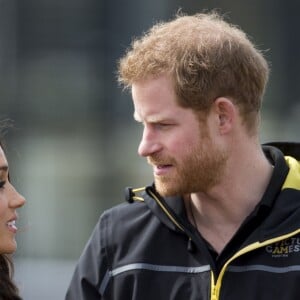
[149,143]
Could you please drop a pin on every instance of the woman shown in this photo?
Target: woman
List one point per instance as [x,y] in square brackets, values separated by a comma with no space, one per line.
[10,200]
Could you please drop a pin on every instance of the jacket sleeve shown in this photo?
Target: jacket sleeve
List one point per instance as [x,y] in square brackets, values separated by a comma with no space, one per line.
[90,276]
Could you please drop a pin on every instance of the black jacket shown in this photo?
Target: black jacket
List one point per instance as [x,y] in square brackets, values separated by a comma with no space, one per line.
[148,250]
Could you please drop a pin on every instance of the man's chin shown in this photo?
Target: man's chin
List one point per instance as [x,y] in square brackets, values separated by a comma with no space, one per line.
[166,190]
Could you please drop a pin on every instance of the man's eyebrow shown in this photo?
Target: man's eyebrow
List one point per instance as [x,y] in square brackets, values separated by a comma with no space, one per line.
[151,119]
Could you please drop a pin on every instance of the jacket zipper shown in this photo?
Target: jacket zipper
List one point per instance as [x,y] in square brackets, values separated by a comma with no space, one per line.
[216,287]
[165,210]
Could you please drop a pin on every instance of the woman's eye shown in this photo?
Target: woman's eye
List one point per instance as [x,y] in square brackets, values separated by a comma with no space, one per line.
[2,183]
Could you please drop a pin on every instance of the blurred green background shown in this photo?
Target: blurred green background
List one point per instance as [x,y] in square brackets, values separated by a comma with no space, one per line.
[73,147]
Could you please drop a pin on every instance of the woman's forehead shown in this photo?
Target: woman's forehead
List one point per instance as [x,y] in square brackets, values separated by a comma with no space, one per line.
[3,160]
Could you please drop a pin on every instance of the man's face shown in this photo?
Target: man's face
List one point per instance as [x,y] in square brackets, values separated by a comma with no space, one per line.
[179,147]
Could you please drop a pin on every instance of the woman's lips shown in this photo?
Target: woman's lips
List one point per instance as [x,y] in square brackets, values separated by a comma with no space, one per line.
[12,225]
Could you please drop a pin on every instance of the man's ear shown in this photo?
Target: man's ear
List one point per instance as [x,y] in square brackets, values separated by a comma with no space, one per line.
[226,113]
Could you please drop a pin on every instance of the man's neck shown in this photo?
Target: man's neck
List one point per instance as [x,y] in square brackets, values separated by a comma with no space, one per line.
[218,213]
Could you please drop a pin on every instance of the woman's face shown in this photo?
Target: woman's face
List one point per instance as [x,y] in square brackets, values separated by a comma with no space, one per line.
[10,200]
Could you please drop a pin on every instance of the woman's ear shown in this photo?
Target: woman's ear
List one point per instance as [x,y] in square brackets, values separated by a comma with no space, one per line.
[226,113]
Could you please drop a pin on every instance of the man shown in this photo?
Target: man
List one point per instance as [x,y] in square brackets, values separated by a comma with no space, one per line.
[222,219]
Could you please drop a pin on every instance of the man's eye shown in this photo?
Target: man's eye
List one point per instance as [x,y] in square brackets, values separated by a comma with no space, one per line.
[162,125]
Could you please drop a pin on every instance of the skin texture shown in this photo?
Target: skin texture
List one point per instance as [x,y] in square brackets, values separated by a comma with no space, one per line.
[10,201]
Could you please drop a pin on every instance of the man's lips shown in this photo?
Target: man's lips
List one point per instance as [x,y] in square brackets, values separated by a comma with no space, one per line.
[161,169]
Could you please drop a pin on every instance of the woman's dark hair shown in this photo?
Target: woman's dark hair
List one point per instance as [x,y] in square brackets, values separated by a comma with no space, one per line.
[8,290]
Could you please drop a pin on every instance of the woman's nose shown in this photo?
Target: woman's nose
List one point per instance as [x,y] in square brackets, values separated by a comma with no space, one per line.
[21,201]
[16,200]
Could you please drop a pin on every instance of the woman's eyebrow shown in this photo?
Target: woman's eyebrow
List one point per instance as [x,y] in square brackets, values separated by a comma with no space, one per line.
[4,168]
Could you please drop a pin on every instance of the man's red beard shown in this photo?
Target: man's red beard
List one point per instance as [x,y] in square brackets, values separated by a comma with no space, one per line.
[199,170]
